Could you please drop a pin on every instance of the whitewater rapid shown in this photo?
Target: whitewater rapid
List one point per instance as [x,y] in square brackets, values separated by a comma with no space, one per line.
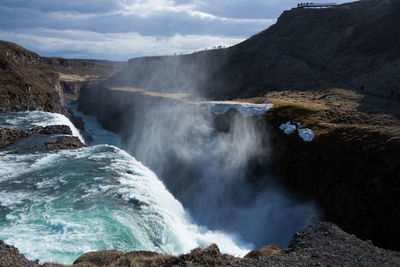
[55,206]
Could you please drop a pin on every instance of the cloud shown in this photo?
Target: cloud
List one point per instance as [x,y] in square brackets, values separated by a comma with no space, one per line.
[44,6]
[115,46]
[154,24]
[29,22]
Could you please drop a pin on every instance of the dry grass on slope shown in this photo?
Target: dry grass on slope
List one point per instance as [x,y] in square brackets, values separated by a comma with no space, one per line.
[323,111]
[343,120]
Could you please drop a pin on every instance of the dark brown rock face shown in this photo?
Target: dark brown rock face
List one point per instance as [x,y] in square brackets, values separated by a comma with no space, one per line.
[51,130]
[10,135]
[31,82]
[64,142]
[100,258]
[270,250]
[355,181]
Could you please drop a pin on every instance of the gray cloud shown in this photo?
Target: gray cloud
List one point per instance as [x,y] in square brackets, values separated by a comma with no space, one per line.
[60,23]
[115,46]
[87,6]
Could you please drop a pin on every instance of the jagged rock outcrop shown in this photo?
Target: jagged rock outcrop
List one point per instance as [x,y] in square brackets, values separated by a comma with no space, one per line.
[10,256]
[323,244]
[64,142]
[267,251]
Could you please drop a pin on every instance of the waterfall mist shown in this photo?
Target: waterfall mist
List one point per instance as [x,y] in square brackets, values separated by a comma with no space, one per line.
[218,167]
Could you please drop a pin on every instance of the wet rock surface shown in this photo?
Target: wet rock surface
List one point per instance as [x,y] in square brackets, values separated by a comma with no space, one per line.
[323,244]
[39,137]
[64,142]
[9,136]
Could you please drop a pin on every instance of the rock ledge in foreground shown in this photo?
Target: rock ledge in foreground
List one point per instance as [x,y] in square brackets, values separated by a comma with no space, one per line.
[323,244]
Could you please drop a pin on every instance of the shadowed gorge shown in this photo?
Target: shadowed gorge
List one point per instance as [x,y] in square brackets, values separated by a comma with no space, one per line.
[220,167]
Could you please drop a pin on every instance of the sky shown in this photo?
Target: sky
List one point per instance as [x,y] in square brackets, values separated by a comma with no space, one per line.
[124,29]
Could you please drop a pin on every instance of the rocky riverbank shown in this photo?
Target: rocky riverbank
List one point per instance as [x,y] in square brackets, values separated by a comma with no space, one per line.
[61,133]
[323,244]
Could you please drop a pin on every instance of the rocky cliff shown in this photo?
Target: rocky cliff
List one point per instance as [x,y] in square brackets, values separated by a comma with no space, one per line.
[356,44]
[28,81]
[351,166]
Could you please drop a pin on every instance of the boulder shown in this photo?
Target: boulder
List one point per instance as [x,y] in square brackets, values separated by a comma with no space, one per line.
[270,250]
[99,258]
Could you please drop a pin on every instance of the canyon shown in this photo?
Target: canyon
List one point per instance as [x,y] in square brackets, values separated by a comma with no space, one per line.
[332,70]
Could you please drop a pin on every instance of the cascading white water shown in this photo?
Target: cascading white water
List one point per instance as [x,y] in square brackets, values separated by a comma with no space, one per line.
[54,206]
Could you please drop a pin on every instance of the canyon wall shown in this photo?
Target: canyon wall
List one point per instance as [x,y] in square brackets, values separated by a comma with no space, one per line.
[355,184]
